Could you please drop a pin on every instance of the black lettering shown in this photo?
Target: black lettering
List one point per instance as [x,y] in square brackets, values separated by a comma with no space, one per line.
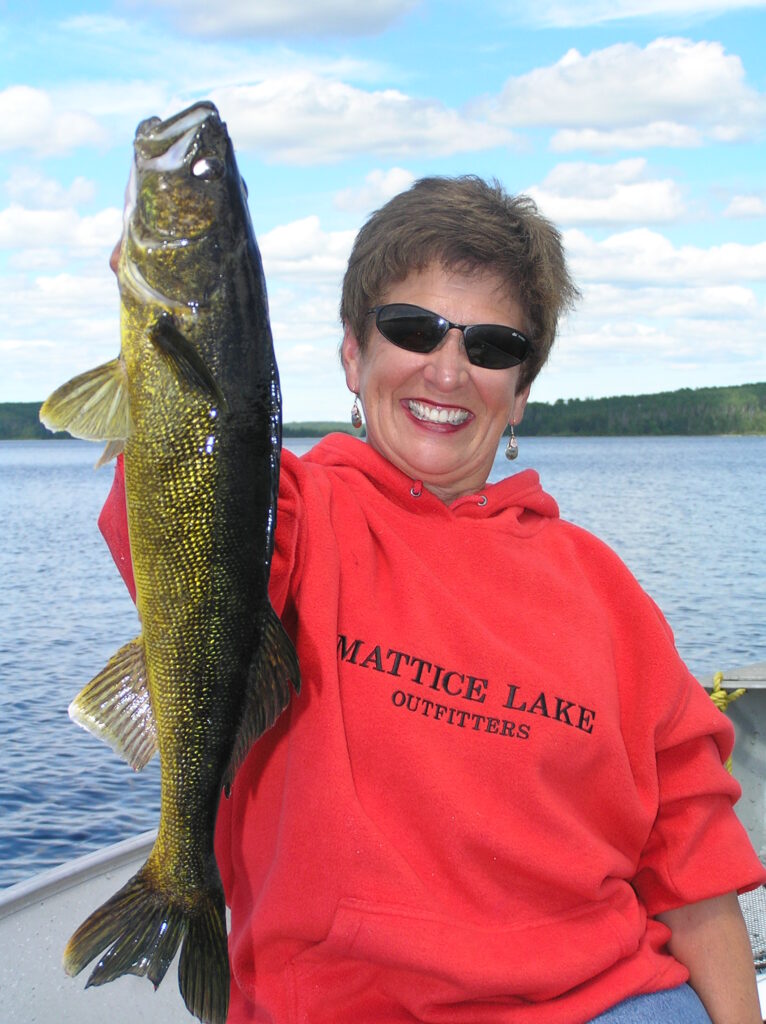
[540,705]
[348,653]
[421,665]
[427,705]
[441,710]
[445,683]
[508,727]
[410,698]
[512,691]
[398,656]
[375,657]
[435,684]
[562,712]
[493,725]
[399,697]
[477,720]
[477,687]
[586,719]
[523,732]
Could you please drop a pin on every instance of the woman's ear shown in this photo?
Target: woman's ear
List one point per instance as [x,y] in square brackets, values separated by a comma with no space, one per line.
[520,404]
[351,354]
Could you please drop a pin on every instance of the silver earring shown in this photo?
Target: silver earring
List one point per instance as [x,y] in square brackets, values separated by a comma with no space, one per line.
[356,416]
[512,448]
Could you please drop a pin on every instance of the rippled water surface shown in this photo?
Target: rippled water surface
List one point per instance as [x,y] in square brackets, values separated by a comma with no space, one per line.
[687,514]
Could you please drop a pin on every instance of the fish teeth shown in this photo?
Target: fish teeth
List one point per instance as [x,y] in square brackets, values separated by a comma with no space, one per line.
[437,414]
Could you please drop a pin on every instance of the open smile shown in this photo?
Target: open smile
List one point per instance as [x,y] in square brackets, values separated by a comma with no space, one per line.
[439,414]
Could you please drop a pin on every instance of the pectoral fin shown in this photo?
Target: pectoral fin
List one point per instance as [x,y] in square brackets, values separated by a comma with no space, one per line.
[274,667]
[183,357]
[93,405]
[115,706]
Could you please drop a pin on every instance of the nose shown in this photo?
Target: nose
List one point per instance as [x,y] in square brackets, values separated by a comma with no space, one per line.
[447,366]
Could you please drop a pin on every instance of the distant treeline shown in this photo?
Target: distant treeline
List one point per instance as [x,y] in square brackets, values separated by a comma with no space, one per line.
[734,410]
[726,410]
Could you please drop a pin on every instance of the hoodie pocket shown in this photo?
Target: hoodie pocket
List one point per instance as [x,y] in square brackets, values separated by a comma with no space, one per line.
[383,961]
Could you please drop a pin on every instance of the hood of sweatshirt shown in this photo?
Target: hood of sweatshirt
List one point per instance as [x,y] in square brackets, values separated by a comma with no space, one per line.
[519,498]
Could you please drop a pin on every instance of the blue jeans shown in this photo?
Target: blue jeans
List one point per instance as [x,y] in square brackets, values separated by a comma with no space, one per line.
[674,1006]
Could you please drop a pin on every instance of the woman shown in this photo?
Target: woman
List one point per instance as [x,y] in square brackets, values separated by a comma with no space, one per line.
[500,795]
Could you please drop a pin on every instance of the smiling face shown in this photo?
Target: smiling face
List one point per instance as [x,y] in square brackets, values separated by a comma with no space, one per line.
[435,416]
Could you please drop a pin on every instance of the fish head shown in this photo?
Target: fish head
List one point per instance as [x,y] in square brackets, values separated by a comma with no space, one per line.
[185,209]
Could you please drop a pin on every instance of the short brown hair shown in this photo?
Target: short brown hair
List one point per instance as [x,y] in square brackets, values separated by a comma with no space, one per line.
[469,224]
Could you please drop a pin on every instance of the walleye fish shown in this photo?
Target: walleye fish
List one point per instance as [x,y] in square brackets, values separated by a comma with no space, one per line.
[193,400]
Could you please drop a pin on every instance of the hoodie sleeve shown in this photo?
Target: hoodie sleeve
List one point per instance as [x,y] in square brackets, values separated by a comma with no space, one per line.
[113,523]
[697,847]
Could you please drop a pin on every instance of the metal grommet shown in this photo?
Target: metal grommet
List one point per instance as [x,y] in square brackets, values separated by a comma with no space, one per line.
[482,500]
[416,490]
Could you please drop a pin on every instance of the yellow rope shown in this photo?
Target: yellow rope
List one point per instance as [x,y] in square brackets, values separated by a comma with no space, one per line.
[723,698]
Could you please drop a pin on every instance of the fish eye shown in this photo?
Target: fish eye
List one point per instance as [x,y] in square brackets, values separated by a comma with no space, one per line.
[208,168]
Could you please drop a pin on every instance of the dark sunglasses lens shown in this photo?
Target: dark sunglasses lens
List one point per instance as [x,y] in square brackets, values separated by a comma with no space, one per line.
[411,327]
[495,347]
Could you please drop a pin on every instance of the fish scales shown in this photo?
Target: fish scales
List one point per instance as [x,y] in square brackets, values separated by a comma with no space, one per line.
[193,400]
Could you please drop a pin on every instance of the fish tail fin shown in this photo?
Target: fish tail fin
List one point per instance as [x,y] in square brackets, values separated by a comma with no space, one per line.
[141,928]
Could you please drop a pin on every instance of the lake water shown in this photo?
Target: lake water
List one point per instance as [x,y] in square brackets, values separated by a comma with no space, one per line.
[688,515]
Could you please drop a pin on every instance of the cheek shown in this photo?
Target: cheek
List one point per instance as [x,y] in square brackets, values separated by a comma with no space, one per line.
[498,394]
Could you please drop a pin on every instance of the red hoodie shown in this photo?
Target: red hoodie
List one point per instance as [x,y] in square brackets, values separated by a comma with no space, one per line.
[497,772]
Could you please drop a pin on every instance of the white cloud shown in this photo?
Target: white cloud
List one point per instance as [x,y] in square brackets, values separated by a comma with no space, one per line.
[29,120]
[305,118]
[673,91]
[284,17]
[647,257]
[586,193]
[27,186]
[302,248]
[648,136]
[378,188]
[746,207]
[23,229]
[710,302]
[594,12]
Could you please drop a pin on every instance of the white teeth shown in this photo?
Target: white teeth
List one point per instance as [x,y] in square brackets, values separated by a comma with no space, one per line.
[434,414]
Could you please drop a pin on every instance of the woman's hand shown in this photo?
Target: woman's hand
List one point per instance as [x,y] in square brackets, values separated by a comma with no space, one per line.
[710,938]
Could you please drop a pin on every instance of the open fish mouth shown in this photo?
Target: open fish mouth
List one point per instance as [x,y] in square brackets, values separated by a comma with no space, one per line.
[188,159]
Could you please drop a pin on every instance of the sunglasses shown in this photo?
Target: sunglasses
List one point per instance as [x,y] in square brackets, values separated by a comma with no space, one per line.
[415,329]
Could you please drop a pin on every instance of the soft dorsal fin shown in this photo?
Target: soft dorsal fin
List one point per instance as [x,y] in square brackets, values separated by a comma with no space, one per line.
[115,706]
[94,405]
[273,668]
[186,362]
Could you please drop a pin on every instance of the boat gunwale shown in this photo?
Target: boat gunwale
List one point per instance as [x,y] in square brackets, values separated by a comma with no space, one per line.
[72,873]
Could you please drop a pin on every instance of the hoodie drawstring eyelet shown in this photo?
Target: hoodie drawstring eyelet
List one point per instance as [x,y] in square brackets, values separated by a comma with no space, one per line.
[417,489]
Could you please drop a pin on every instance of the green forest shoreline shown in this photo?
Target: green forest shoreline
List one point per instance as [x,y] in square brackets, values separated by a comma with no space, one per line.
[689,411]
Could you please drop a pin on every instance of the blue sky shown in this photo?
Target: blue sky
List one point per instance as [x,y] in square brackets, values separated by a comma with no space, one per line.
[639,126]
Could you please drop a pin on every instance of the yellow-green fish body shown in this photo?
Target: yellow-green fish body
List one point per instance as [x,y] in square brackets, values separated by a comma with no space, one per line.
[194,402]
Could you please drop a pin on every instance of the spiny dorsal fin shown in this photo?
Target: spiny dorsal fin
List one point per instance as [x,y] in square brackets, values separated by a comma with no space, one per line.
[184,358]
[115,706]
[94,405]
[274,667]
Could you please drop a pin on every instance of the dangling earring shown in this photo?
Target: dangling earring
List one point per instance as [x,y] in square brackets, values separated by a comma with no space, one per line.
[356,416]
[512,448]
